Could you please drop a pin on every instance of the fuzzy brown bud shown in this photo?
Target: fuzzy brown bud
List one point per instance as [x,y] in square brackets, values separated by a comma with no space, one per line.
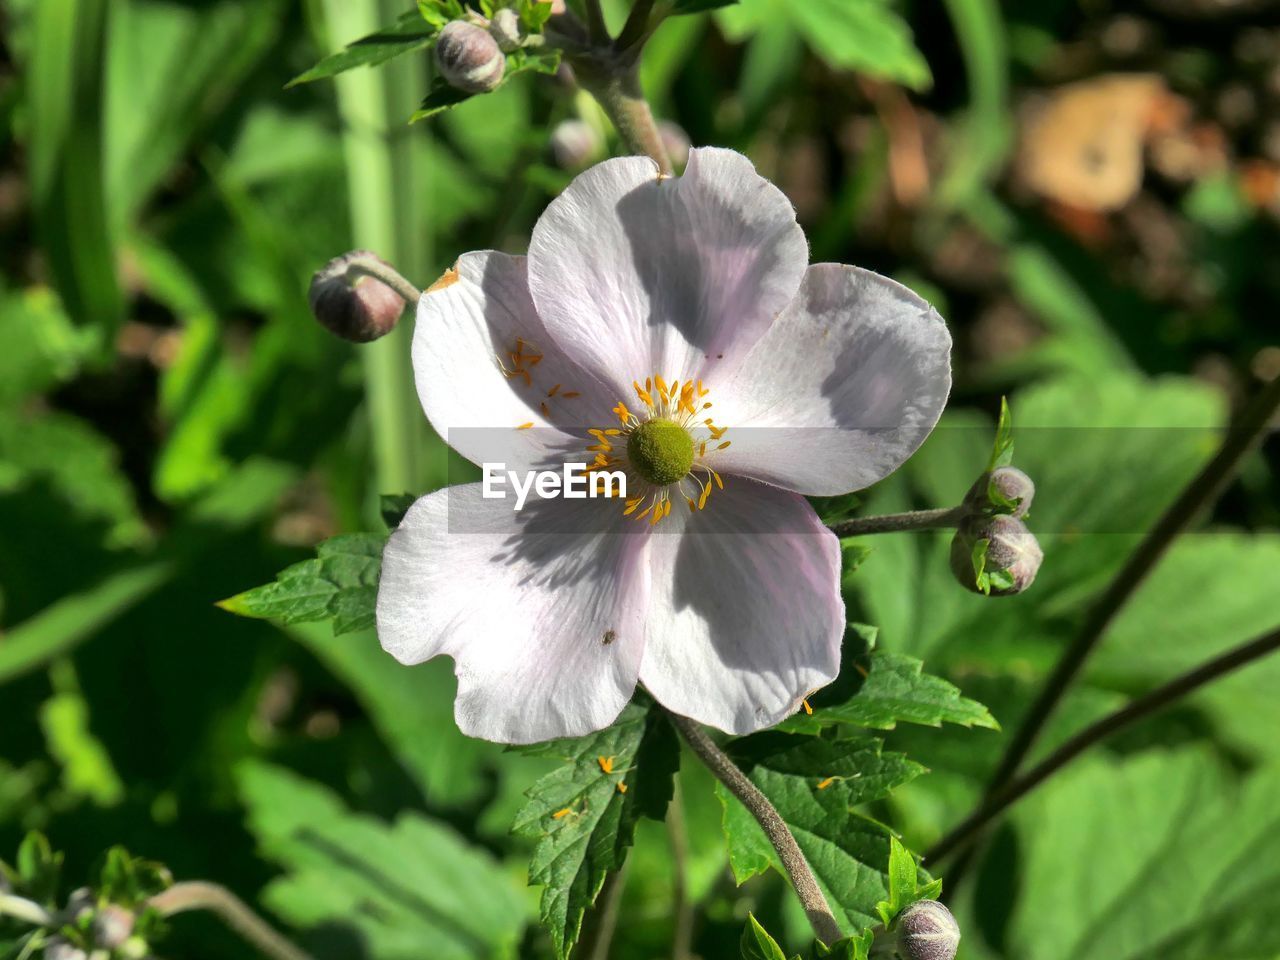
[927,931]
[1013,555]
[468,57]
[353,305]
[575,144]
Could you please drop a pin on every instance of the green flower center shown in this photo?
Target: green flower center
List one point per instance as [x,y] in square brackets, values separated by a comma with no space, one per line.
[661,451]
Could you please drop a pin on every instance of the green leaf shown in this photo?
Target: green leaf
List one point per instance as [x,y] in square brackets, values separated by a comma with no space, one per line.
[815,784]
[902,880]
[1002,449]
[394,506]
[128,881]
[756,944]
[1162,855]
[583,814]
[87,770]
[857,947]
[877,689]
[39,345]
[398,886]
[863,35]
[38,868]
[340,584]
[411,32]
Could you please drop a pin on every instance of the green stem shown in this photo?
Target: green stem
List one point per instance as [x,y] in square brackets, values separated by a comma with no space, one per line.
[380,156]
[231,910]
[385,273]
[616,85]
[941,518]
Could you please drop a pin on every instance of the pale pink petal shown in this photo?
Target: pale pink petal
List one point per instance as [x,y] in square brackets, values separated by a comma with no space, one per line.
[485,368]
[543,620]
[843,388]
[635,274]
[745,616]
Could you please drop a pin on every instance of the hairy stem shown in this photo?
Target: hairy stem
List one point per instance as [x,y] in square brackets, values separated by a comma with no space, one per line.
[1173,691]
[28,911]
[775,828]
[1242,437]
[231,910]
[941,518]
[381,270]
[617,88]
[597,30]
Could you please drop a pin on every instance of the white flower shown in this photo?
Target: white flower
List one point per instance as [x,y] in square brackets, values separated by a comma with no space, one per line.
[674,327]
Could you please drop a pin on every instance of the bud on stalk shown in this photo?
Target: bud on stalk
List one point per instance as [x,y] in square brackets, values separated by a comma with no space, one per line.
[468,57]
[1013,555]
[927,931]
[351,304]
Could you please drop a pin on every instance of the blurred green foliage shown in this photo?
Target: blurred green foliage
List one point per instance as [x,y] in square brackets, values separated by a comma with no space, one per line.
[175,429]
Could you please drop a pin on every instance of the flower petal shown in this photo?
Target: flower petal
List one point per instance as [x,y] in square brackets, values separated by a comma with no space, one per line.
[635,274]
[844,387]
[544,622]
[489,376]
[745,616]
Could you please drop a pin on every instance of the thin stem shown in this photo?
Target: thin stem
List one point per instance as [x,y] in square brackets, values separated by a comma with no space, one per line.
[637,29]
[775,828]
[598,936]
[28,911]
[381,270]
[231,910]
[617,87]
[941,518]
[597,29]
[678,835]
[1197,496]
[1144,706]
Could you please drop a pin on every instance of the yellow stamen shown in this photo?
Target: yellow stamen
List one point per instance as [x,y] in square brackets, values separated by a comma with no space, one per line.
[525,426]
[606,764]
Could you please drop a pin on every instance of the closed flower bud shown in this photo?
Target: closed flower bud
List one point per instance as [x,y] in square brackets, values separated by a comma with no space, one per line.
[468,57]
[352,305]
[59,949]
[1013,555]
[575,144]
[505,29]
[112,926]
[676,141]
[1003,485]
[927,931]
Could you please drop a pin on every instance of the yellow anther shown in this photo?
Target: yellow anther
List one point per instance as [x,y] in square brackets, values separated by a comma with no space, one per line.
[725,444]
[546,411]
[716,477]
[622,787]
[561,814]
[689,500]
[569,395]
[807,709]
[606,764]
[702,500]
[554,390]
[826,783]
[525,426]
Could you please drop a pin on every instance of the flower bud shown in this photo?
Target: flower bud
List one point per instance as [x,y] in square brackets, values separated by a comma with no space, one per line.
[1013,555]
[1007,484]
[468,57]
[575,144]
[927,931]
[59,949]
[352,305]
[505,29]
[676,141]
[112,926]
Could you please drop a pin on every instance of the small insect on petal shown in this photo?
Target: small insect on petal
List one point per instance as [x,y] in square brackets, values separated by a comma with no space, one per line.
[609,637]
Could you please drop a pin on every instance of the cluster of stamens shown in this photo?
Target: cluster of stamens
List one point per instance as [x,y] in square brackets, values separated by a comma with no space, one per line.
[662,447]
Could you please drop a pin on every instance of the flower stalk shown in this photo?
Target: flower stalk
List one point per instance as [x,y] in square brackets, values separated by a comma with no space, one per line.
[775,828]
[231,910]
[942,518]
[28,911]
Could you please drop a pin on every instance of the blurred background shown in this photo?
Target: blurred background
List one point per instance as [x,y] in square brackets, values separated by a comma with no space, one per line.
[1088,191]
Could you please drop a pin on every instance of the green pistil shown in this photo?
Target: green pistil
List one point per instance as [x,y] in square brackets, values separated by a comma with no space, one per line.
[661,451]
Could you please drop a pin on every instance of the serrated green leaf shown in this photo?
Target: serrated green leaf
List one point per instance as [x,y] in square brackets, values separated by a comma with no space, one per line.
[394,886]
[411,32]
[439,12]
[340,584]
[857,947]
[902,877]
[815,784]
[757,944]
[583,814]
[877,689]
